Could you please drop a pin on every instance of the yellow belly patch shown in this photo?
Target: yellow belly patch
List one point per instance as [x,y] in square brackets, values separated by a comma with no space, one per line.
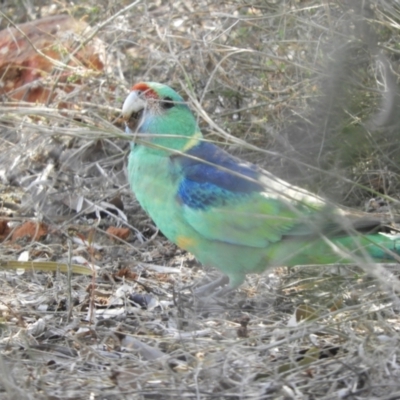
[185,242]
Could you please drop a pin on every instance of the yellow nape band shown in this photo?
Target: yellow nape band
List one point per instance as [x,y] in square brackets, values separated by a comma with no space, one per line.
[193,141]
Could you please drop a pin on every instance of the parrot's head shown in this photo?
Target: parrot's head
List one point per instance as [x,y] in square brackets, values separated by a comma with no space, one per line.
[161,117]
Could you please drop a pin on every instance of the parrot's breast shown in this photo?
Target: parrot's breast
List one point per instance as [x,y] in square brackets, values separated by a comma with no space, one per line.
[155,180]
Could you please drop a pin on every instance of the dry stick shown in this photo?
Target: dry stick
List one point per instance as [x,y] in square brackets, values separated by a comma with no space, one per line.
[69,282]
[92,290]
[91,36]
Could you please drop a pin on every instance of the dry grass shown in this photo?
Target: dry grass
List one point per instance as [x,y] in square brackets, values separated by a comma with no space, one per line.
[299,82]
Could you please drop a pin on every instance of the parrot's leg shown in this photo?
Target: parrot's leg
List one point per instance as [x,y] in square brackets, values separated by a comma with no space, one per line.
[209,288]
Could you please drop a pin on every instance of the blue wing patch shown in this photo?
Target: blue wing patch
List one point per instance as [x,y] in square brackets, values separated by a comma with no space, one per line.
[205,185]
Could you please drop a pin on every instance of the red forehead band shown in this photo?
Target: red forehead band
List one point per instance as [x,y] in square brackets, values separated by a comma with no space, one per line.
[147,91]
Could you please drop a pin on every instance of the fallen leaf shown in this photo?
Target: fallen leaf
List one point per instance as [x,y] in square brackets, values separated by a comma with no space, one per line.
[35,51]
[4,229]
[122,233]
[30,230]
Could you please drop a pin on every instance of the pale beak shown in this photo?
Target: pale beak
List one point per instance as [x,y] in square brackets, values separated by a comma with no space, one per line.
[133,104]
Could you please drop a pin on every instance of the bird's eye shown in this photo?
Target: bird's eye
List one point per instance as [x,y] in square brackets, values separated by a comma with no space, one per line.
[167,102]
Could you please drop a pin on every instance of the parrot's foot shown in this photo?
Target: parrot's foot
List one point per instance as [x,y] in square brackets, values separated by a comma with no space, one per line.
[209,298]
[209,288]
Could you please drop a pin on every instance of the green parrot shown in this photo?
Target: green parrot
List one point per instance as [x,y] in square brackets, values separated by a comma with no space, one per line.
[230,214]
